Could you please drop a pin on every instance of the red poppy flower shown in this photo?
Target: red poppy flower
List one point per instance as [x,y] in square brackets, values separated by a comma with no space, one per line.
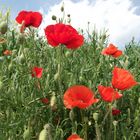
[63,34]
[112,50]
[122,79]
[115,111]
[44,100]
[108,94]
[79,96]
[7,52]
[74,137]
[29,18]
[37,72]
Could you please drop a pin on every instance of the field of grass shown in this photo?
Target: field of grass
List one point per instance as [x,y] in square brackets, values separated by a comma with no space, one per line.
[23,114]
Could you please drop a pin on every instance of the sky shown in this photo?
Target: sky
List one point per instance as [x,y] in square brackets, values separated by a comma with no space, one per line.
[120,17]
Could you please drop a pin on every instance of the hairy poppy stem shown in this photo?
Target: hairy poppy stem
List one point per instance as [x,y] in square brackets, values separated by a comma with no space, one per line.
[84,122]
[59,70]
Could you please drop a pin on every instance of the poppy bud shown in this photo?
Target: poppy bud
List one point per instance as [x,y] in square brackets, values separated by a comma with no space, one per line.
[3,27]
[67,54]
[71,115]
[95,116]
[89,123]
[27,134]
[26,50]
[10,66]
[21,58]
[56,76]
[139,100]
[54,17]
[62,8]
[20,39]
[53,101]
[45,134]
[115,123]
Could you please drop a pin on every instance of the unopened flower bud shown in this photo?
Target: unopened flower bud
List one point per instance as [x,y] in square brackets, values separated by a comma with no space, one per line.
[67,54]
[27,134]
[20,39]
[115,123]
[139,100]
[45,134]
[62,8]
[54,17]
[53,101]
[71,115]
[21,58]
[56,76]
[26,50]
[10,66]
[3,27]
[95,116]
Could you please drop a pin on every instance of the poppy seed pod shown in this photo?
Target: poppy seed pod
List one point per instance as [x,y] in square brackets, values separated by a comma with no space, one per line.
[3,27]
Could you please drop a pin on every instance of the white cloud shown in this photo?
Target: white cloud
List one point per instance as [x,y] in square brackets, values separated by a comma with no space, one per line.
[115,15]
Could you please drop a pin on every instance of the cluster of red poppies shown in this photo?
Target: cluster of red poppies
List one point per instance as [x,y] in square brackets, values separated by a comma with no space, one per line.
[56,34]
[78,95]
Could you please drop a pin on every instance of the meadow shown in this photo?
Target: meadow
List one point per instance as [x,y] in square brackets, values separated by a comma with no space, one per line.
[37,72]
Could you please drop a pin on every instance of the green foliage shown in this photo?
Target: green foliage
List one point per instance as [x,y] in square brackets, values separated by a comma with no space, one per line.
[21,110]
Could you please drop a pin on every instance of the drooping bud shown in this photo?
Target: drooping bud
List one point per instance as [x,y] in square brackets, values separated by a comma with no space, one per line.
[3,27]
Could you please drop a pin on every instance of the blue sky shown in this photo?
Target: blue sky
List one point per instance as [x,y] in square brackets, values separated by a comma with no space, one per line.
[120,17]
[17,5]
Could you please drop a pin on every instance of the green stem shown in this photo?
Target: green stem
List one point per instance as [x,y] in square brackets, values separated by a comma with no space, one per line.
[98,134]
[59,71]
[110,123]
[114,132]
[84,122]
